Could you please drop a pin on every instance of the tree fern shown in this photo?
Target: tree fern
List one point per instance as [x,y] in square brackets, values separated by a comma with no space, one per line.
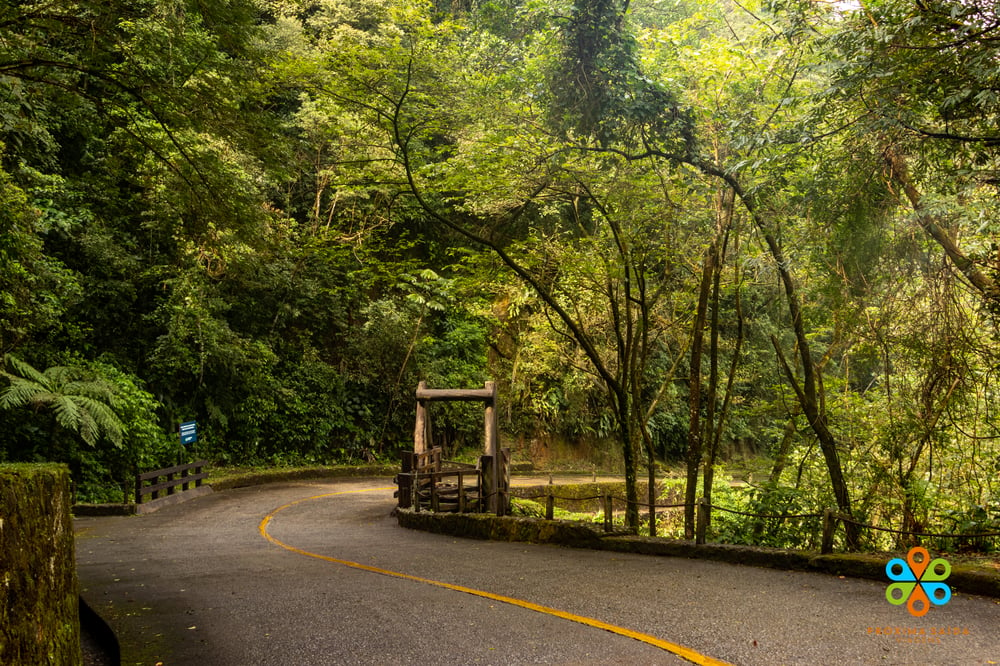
[81,404]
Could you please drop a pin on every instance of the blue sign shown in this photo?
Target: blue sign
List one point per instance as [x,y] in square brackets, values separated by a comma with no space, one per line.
[189,432]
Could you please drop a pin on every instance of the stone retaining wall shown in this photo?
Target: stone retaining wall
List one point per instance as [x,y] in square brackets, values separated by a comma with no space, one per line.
[39,603]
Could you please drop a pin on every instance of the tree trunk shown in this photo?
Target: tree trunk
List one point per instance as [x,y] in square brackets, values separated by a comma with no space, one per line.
[651,493]
[781,458]
[807,393]
[713,385]
[694,451]
[986,286]
[629,436]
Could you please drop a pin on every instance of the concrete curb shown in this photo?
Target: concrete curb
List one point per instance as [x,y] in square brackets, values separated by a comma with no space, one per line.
[254,478]
[176,498]
[967,579]
[133,509]
[103,509]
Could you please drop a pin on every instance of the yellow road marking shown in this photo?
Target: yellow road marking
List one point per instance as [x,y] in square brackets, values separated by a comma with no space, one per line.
[674,648]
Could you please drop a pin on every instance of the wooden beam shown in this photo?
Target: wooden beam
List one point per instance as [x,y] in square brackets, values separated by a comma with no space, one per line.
[420,428]
[487,395]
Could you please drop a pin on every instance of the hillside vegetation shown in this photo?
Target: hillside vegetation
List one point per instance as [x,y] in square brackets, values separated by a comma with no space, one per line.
[680,230]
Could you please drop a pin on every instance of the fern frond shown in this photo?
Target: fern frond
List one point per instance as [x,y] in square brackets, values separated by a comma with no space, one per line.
[26,371]
[67,412]
[80,404]
[58,376]
[104,420]
[20,392]
[88,429]
[91,388]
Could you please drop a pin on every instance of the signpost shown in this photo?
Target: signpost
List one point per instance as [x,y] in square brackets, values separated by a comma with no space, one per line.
[189,432]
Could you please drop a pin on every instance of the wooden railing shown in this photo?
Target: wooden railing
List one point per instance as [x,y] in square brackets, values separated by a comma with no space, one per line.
[428,481]
[180,476]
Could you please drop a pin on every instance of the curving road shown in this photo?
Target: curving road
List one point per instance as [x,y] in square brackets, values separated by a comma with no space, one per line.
[310,573]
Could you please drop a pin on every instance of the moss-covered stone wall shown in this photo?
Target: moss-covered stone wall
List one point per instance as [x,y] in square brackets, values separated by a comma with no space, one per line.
[39,602]
[502,528]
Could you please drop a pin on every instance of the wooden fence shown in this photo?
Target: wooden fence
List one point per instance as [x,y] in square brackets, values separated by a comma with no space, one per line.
[427,481]
[180,476]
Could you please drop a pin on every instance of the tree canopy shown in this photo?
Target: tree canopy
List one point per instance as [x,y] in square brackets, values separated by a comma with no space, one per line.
[686,233]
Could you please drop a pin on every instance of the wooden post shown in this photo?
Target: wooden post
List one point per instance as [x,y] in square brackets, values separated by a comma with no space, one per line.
[652,520]
[461,492]
[404,481]
[829,527]
[488,484]
[504,481]
[480,485]
[492,446]
[608,515]
[703,517]
[550,506]
[420,428]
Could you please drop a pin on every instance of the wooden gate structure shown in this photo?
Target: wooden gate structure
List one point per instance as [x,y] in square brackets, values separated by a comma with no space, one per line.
[426,480]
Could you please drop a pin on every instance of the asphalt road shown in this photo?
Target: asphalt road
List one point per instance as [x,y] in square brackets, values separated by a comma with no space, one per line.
[201,583]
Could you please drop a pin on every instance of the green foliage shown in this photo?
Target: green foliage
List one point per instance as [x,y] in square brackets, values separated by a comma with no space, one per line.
[787,517]
[669,433]
[103,406]
[271,218]
[146,444]
[79,402]
[35,289]
[975,520]
[533,509]
[599,89]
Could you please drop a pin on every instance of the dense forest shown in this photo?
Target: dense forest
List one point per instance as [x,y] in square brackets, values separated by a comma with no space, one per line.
[671,230]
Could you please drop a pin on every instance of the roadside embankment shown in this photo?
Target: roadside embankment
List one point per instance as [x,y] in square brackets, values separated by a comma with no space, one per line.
[963,578]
